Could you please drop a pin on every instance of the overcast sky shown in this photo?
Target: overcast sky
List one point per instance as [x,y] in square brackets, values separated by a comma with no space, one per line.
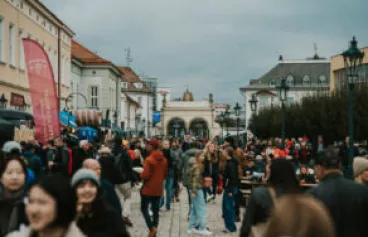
[213,46]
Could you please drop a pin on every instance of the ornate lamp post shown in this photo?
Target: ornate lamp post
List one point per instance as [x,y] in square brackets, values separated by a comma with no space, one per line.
[353,58]
[3,101]
[253,105]
[237,109]
[222,119]
[227,116]
[282,92]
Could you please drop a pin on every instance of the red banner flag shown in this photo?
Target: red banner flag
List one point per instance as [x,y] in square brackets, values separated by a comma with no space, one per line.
[43,91]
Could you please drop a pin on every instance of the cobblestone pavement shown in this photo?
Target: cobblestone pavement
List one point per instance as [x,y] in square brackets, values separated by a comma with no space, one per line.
[175,222]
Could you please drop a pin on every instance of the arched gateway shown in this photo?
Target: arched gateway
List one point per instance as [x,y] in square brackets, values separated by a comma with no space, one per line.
[195,117]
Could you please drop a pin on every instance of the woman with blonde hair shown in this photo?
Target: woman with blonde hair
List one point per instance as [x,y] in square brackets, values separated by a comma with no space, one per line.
[211,168]
[198,208]
[299,216]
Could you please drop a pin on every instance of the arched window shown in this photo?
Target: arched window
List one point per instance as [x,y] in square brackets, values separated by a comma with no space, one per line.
[306,80]
[290,80]
[322,79]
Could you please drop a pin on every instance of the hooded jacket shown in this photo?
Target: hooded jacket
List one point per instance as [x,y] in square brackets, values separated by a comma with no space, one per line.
[154,173]
[185,163]
[25,231]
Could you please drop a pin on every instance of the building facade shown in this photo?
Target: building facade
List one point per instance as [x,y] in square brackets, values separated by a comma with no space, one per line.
[161,93]
[30,19]
[134,87]
[304,77]
[130,112]
[95,84]
[339,79]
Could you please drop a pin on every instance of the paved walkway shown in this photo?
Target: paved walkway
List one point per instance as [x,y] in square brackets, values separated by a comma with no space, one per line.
[175,222]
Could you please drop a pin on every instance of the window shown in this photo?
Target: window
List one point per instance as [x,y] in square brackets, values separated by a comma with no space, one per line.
[306,80]
[138,85]
[272,83]
[290,80]
[322,79]
[21,51]
[124,85]
[140,100]
[290,100]
[93,96]
[1,39]
[11,44]
[263,101]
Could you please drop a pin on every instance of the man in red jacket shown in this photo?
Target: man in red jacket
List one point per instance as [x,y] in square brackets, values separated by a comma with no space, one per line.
[153,175]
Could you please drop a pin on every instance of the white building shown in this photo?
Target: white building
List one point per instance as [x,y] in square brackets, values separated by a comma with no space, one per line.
[95,83]
[304,77]
[133,87]
[130,111]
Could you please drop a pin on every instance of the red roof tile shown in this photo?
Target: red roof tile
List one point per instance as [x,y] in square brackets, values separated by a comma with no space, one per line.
[85,56]
[129,75]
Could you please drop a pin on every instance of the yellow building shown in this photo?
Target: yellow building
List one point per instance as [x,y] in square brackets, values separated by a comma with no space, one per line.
[30,19]
[338,79]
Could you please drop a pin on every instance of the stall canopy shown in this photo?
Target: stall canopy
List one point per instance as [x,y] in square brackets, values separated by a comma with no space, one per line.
[67,119]
[6,129]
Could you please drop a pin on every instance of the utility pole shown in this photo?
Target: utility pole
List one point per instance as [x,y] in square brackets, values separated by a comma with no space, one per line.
[128,57]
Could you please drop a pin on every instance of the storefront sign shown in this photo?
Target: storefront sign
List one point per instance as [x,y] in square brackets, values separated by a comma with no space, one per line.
[16,100]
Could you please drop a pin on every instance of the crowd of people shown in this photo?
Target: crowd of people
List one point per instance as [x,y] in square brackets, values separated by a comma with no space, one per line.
[66,189]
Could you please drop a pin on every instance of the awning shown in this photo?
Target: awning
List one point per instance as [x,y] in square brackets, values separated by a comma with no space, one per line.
[6,129]
[10,114]
[87,133]
[86,117]
[67,119]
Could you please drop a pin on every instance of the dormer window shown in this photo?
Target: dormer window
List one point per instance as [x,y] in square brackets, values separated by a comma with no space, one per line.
[272,83]
[306,80]
[322,79]
[124,85]
[290,80]
[138,85]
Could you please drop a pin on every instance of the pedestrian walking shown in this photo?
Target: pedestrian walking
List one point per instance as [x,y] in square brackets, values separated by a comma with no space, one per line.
[300,216]
[176,154]
[282,181]
[198,208]
[60,162]
[94,217]
[50,208]
[169,181]
[231,181]
[153,175]
[346,200]
[13,176]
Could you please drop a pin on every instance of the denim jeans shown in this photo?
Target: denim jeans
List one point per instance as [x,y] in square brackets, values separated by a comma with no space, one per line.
[198,211]
[228,210]
[145,203]
[169,191]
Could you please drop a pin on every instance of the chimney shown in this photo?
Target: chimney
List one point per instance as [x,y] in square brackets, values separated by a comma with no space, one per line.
[281,58]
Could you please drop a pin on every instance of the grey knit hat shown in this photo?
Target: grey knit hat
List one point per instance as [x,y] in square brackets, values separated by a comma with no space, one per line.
[359,165]
[84,174]
[12,146]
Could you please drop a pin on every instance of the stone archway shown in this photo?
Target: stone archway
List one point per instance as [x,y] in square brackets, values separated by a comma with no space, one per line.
[176,127]
[199,128]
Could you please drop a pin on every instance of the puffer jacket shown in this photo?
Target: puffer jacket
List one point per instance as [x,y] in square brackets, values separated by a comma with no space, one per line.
[195,177]
[185,162]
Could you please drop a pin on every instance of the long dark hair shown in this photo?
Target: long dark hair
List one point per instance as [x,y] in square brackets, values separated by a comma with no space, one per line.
[283,177]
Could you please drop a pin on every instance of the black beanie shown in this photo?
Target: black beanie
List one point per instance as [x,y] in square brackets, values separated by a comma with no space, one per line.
[59,188]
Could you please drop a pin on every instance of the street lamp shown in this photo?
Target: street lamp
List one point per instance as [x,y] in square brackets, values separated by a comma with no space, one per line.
[253,106]
[282,89]
[3,101]
[222,119]
[353,58]
[237,109]
[227,116]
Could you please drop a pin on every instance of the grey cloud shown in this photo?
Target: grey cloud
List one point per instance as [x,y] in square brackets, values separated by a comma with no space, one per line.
[212,45]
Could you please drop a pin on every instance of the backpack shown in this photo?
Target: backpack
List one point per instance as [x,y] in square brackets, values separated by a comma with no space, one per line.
[118,162]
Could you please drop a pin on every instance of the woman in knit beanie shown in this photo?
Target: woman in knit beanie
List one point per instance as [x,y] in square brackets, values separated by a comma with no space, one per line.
[94,217]
[50,209]
[360,167]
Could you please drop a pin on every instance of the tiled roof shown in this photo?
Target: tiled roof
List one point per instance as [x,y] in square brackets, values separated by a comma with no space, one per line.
[85,56]
[298,70]
[129,75]
[131,100]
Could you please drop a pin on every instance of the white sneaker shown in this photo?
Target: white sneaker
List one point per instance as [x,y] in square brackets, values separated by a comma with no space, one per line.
[205,233]
[192,231]
[150,212]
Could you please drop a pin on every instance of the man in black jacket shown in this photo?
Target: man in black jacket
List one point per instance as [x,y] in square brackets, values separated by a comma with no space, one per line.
[346,201]
[59,163]
[82,153]
[231,183]
[124,164]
